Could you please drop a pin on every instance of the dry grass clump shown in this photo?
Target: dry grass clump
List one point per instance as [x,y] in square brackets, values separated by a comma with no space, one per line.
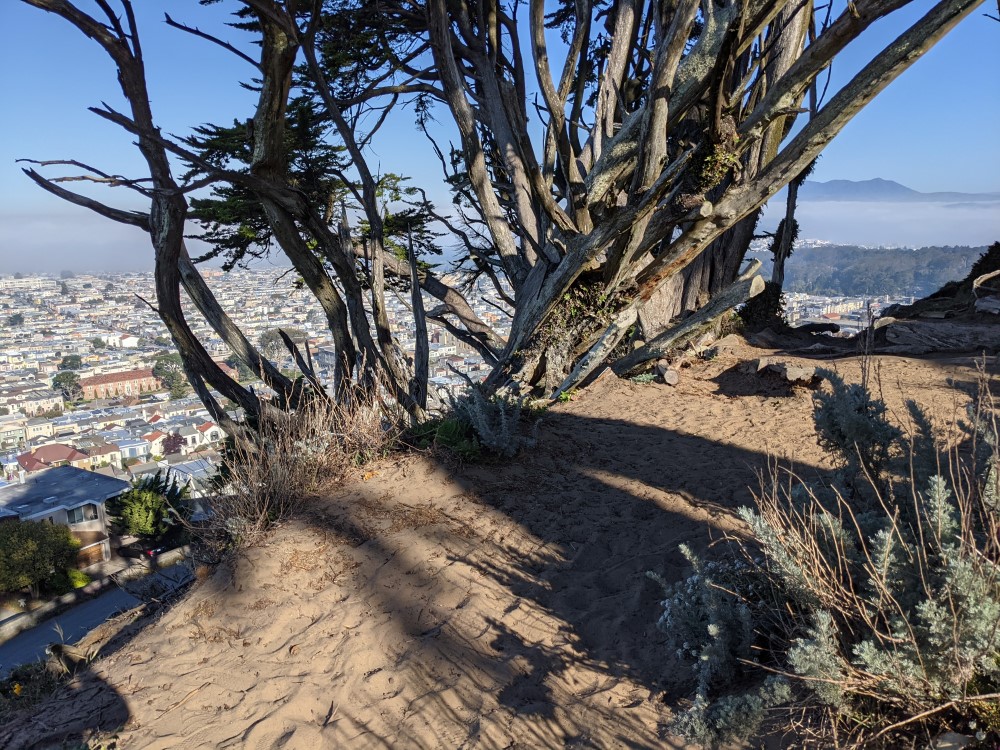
[271,472]
[27,685]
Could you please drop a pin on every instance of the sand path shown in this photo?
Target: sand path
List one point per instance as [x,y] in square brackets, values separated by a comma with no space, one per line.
[485,606]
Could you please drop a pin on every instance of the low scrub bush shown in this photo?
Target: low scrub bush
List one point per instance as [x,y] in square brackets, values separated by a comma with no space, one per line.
[477,425]
[26,685]
[496,421]
[64,581]
[271,472]
[150,508]
[878,611]
[450,433]
[852,424]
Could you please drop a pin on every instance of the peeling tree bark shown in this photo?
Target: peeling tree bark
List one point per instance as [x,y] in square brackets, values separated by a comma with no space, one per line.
[691,326]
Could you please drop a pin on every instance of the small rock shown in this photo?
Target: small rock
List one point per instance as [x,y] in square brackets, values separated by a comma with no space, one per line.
[796,374]
[792,373]
[952,741]
[730,344]
[766,338]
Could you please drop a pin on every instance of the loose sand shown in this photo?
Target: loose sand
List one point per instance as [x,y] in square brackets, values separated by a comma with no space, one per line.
[485,606]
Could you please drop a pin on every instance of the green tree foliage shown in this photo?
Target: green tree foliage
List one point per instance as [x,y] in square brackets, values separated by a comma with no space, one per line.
[64,289]
[150,508]
[71,362]
[16,320]
[405,226]
[98,343]
[232,220]
[31,552]
[68,382]
[858,271]
[143,513]
[170,370]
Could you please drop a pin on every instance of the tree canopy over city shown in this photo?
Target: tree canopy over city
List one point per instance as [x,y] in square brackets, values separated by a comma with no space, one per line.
[67,382]
[71,362]
[609,163]
[31,552]
[169,368]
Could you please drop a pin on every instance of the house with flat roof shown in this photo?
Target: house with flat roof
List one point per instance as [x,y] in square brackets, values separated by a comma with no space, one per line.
[68,496]
[38,427]
[134,448]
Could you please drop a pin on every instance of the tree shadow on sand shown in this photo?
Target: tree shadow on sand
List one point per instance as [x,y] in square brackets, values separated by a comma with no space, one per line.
[86,706]
[474,606]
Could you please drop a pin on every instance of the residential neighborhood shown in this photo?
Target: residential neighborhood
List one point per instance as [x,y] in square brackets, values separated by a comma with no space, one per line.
[93,399]
[105,324]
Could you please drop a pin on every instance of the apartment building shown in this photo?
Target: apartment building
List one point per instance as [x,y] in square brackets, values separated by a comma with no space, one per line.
[130,383]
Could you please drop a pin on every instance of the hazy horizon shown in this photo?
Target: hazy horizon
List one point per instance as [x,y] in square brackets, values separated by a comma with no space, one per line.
[931,144]
[73,238]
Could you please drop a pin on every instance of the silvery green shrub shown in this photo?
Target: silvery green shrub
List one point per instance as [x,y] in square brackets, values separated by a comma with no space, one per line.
[496,420]
[876,610]
[852,425]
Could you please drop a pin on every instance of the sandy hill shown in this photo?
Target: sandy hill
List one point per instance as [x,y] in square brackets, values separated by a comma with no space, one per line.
[484,606]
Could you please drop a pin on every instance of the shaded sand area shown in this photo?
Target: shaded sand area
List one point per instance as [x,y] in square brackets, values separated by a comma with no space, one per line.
[484,606]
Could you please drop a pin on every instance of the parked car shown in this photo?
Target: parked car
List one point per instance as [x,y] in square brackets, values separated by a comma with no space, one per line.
[148,548]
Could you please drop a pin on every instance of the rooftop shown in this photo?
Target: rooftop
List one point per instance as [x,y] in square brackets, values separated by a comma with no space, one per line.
[39,458]
[64,487]
[117,377]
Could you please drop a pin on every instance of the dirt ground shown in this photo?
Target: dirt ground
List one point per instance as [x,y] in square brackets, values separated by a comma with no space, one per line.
[428,605]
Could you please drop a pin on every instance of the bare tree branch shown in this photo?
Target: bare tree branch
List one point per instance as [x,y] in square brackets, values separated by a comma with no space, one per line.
[133,218]
[214,39]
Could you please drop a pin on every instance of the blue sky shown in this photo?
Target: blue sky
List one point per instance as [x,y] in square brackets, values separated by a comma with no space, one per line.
[934,129]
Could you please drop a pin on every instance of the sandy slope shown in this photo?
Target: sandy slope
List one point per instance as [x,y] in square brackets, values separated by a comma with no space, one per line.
[495,606]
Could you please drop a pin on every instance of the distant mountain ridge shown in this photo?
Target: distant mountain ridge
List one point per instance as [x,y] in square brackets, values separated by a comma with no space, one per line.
[884,191]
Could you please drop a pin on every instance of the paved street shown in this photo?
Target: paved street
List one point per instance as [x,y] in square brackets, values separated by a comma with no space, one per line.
[81,619]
